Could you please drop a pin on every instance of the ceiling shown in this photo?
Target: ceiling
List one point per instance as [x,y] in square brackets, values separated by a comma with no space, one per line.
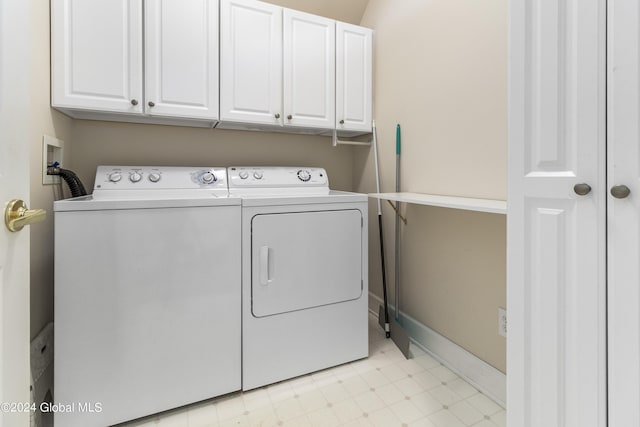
[341,10]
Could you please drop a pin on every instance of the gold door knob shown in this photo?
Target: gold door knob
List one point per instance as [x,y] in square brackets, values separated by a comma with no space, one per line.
[17,215]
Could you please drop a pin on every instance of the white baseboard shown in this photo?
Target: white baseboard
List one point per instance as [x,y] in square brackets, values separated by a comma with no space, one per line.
[471,368]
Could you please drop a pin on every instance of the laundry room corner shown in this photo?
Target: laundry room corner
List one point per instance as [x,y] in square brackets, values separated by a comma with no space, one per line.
[44,123]
[447,89]
[44,120]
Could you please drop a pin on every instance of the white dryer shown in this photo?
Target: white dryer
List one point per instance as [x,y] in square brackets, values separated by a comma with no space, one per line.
[304,269]
[147,294]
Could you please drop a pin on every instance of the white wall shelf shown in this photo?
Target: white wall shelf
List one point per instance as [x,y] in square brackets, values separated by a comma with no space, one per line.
[464,203]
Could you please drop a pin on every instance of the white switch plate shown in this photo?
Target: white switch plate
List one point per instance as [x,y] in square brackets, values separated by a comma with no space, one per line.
[52,151]
[502,322]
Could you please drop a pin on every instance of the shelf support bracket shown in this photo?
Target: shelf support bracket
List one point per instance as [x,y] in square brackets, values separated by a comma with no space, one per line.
[397,211]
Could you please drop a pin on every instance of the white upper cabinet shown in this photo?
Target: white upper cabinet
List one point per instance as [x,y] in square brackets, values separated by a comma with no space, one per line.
[181,58]
[251,62]
[354,46]
[96,55]
[246,63]
[277,66]
[309,70]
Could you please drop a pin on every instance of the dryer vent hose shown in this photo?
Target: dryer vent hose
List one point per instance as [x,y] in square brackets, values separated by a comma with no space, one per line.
[72,180]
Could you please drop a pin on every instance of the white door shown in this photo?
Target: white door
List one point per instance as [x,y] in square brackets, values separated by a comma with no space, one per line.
[251,62]
[305,259]
[623,230]
[556,290]
[14,183]
[309,70]
[181,58]
[96,55]
[354,66]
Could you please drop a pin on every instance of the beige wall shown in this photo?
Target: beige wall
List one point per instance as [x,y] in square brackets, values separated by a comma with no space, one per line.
[440,71]
[341,10]
[43,120]
[103,143]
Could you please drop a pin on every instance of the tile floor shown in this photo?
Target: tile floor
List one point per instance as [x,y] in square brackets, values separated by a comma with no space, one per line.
[383,390]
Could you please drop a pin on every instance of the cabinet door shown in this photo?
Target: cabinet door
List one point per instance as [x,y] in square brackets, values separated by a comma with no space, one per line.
[96,55]
[556,279]
[318,264]
[623,230]
[354,65]
[251,62]
[181,58]
[309,70]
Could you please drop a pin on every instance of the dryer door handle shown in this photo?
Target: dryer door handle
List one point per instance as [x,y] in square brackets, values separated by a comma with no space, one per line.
[264,266]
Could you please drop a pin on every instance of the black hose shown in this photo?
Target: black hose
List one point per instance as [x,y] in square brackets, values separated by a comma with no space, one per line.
[72,180]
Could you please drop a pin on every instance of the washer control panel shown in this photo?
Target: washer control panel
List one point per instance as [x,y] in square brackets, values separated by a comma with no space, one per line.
[276,177]
[159,178]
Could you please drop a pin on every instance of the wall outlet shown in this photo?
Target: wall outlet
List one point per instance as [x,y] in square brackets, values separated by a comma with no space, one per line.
[502,322]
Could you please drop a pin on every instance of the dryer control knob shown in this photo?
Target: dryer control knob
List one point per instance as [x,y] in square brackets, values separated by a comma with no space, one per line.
[243,175]
[154,177]
[208,178]
[115,176]
[257,175]
[304,175]
[135,177]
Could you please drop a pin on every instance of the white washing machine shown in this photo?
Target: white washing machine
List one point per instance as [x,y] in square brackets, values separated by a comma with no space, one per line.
[304,273]
[147,294]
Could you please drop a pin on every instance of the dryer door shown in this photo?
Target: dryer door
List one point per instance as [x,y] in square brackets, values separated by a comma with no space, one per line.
[305,259]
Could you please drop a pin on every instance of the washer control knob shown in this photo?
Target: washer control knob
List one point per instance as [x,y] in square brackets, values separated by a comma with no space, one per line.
[115,176]
[135,177]
[304,175]
[257,175]
[208,178]
[154,177]
[243,175]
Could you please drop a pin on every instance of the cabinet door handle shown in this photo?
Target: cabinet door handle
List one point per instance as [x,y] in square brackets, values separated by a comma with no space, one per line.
[341,122]
[289,117]
[151,104]
[277,115]
[582,189]
[134,102]
[620,191]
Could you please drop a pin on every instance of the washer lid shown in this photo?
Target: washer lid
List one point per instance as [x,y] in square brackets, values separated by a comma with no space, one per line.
[89,203]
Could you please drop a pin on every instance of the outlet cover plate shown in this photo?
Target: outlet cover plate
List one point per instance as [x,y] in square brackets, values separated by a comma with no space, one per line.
[502,322]
[52,151]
